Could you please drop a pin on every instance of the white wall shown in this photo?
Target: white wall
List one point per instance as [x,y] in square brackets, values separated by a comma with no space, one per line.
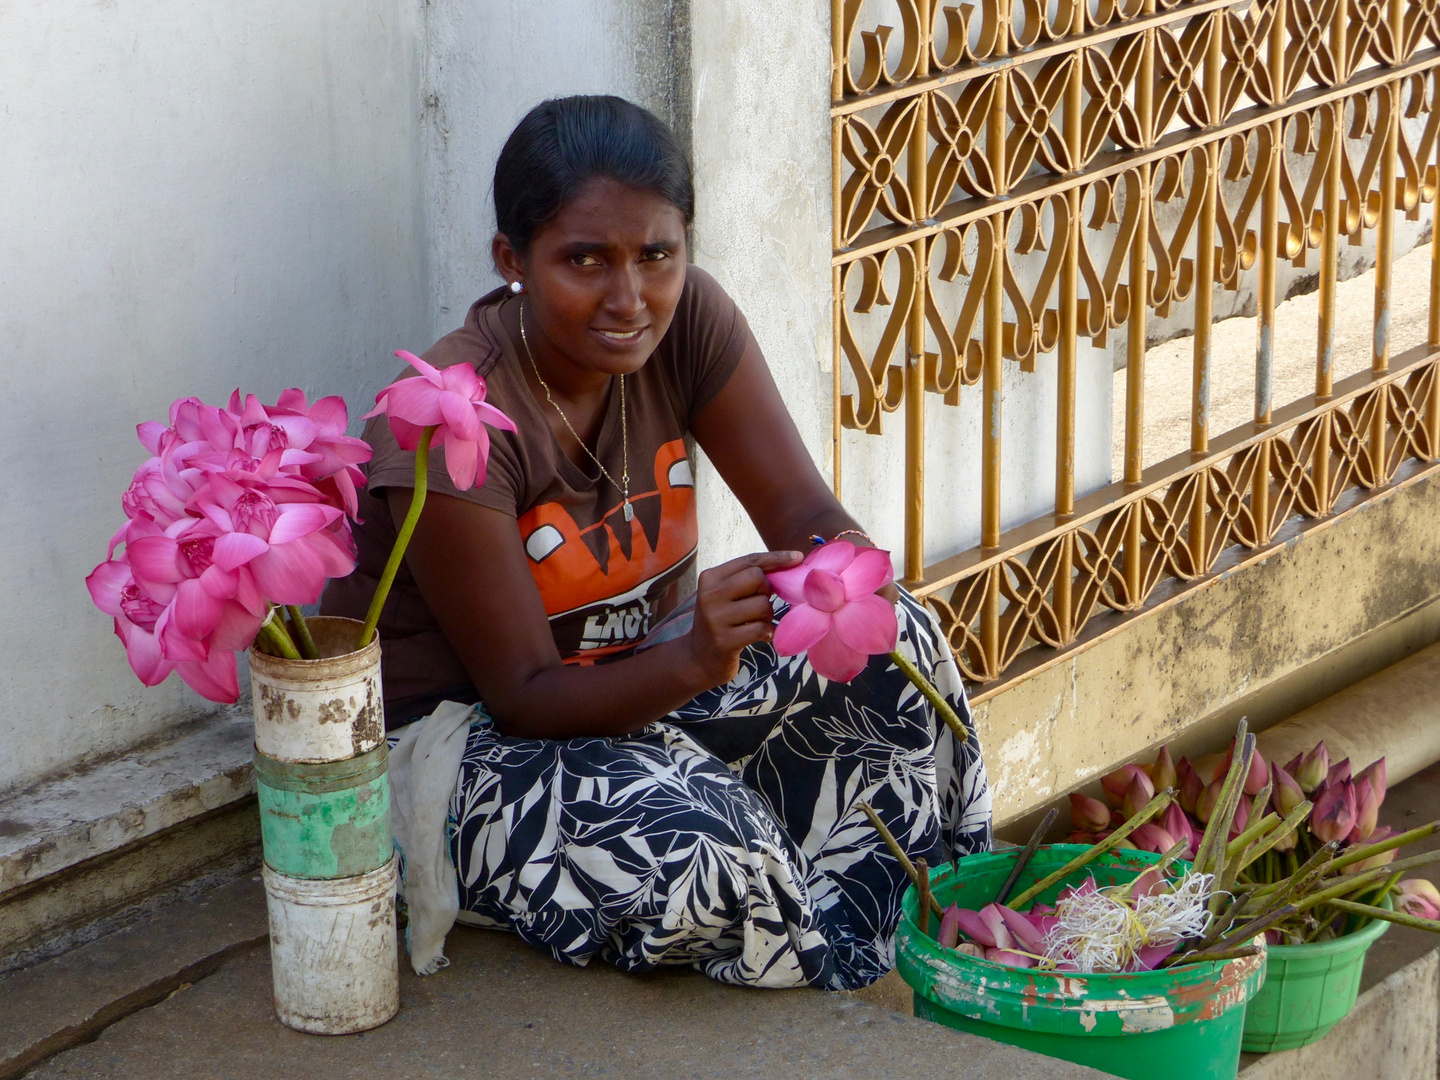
[760,91]
[487,64]
[194,196]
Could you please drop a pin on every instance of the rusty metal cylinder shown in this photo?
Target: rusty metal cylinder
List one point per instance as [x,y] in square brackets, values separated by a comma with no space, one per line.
[326,820]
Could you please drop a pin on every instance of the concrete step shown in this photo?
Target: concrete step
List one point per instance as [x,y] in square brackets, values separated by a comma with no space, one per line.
[86,852]
[501,1010]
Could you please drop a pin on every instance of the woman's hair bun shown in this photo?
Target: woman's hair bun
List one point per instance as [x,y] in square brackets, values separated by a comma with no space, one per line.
[563,143]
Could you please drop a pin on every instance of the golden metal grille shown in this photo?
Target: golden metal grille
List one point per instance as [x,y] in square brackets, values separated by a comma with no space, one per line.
[1129,155]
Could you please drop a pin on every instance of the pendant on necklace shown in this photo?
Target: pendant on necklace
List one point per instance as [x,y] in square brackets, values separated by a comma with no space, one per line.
[629,511]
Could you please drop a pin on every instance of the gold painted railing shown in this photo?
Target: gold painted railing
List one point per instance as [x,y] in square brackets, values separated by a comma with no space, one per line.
[1014,155]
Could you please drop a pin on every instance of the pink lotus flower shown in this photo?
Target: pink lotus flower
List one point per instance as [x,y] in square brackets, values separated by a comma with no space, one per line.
[1375,773]
[1137,795]
[1310,771]
[1088,814]
[1115,784]
[1152,837]
[318,432]
[1190,785]
[1419,897]
[1177,823]
[1339,774]
[834,613]
[949,934]
[453,402]
[1367,811]
[1163,773]
[1334,813]
[1287,794]
[1259,774]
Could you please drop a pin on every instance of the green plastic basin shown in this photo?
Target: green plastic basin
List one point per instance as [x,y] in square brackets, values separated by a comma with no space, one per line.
[1183,1023]
[1310,989]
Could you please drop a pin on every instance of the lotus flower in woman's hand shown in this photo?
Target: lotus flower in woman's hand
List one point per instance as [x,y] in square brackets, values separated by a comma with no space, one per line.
[834,613]
[453,402]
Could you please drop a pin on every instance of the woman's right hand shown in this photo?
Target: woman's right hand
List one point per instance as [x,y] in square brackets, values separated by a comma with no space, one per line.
[732,610]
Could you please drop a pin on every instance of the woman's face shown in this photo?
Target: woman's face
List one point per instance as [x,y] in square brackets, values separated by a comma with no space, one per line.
[603,278]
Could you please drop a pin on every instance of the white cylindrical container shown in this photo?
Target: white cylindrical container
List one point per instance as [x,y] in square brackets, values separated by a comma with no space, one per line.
[333,950]
[319,710]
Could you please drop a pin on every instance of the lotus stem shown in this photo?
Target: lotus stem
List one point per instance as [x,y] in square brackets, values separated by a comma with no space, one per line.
[922,886]
[1170,856]
[1353,883]
[1399,918]
[274,640]
[1355,855]
[933,696]
[904,860]
[1209,858]
[1319,861]
[302,632]
[1197,957]
[1145,813]
[1026,854]
[1293,821]
[1249,836]
[402,538]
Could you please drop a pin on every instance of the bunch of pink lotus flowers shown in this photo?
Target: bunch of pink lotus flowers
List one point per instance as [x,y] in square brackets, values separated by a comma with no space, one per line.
[1343,812]
[242,513]
[238,509]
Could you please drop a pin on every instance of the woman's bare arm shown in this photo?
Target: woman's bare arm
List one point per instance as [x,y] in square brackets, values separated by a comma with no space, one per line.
[470,566]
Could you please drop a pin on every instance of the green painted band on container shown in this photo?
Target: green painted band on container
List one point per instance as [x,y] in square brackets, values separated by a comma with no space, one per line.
[326,820]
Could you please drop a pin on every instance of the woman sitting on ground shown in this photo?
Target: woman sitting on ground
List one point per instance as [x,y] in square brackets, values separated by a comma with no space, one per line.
[647,781]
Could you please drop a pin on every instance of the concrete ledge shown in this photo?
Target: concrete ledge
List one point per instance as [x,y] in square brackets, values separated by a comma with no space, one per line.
[88,844]
[1390,1033]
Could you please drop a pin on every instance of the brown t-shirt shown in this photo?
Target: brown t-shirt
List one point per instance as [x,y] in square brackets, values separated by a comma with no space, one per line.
[604,581]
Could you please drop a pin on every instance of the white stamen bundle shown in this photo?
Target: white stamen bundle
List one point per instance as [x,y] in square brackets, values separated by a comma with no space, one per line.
[1104,930]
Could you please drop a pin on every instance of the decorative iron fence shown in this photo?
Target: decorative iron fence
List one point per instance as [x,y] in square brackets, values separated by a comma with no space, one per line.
[970,140]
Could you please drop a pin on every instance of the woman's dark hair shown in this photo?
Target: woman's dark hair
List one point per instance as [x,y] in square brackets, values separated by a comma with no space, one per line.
[564,143]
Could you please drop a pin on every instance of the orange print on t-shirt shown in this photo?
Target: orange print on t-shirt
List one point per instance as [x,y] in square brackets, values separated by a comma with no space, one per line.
[604,585]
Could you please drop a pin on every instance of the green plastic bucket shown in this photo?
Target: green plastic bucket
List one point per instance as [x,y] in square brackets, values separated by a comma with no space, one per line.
[1310,989]
[328,819]
[1175,1024]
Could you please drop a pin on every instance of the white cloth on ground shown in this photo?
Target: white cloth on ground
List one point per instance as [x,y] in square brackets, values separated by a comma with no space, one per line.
[424,767]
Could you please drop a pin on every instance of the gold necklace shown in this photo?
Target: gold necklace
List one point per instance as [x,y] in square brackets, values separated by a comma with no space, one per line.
[624,486]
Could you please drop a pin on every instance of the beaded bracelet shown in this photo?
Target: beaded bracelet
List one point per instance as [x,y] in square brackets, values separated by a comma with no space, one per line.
[817,539]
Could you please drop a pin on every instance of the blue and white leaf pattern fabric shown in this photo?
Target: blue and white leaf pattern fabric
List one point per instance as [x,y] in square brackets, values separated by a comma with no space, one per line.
[729,835]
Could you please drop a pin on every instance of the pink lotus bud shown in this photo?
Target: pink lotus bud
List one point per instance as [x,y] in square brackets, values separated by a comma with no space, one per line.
[1151,837]
[1208,798]
[1339,774]
[1287,794]
[1274,937]
[1190,785]
[1287,842]
[1208,767]
[1177,823]
[1125,845]
[1334,813]
[1150,883]
[1367,811]
[1163,773]
[949,927]
[1137,795]
[1088,814]
[969,948]
[1311,771]
[1259,771]
[1419,897]
[1118,782]
[1385,857]
[1375,773]
[1080,836]
[1241,821]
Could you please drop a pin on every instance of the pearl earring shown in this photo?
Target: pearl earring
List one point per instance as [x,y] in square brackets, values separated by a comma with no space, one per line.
[515,287]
